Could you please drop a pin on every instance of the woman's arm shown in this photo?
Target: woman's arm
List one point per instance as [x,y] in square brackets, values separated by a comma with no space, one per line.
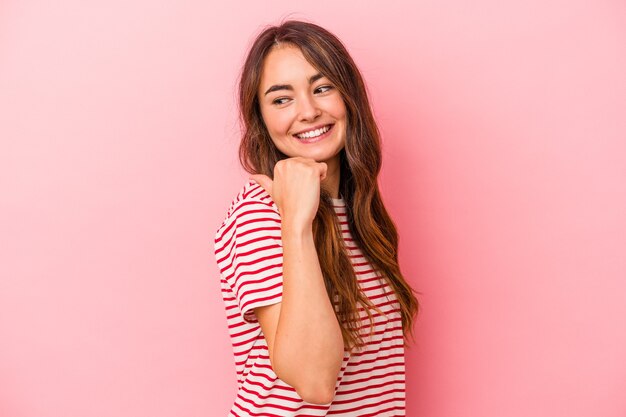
[302,332]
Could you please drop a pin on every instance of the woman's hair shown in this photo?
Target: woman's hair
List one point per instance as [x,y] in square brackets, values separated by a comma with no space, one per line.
[371,226]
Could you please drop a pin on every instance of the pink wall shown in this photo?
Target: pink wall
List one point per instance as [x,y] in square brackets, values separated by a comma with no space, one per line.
[505,169]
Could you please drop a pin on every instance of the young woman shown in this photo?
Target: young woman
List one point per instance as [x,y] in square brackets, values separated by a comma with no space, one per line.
[317,308]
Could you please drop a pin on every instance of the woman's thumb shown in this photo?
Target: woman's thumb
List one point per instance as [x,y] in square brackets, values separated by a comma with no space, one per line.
[264,181]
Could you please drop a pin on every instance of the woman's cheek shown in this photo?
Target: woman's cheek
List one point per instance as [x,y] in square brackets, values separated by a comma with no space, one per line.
[285,123]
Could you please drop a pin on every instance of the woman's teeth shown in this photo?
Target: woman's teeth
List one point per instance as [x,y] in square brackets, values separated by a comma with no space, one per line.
[314,133]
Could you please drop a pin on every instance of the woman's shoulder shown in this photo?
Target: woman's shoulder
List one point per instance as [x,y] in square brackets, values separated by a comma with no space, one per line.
[252,193]
[251,198]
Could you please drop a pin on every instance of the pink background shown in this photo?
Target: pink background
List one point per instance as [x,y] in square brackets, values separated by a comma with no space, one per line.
[504,127]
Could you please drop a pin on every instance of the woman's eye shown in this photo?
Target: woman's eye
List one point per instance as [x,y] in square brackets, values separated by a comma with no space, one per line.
[323,88]
[280,100]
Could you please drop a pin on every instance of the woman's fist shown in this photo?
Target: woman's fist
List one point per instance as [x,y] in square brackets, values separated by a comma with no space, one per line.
[295,188]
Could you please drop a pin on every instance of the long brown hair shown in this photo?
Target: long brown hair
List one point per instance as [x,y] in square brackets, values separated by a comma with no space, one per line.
[370,225]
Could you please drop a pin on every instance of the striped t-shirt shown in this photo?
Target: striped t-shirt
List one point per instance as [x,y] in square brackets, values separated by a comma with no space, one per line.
[248,250]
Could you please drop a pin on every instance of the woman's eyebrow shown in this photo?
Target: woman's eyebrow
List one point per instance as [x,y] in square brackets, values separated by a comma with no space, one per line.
[278,87]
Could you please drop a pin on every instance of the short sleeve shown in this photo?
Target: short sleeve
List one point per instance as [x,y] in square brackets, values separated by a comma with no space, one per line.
[248,249]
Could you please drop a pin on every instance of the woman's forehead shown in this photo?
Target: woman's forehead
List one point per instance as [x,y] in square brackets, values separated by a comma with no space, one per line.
[285,64]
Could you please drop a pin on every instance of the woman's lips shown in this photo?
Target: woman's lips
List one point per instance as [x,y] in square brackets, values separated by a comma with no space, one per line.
[316,138]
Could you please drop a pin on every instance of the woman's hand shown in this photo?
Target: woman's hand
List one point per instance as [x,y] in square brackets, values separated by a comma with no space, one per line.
[295,189]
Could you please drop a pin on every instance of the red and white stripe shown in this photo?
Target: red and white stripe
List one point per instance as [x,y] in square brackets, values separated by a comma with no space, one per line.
[248,250]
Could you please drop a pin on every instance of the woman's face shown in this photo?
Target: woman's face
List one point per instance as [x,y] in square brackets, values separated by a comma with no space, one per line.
[303,112]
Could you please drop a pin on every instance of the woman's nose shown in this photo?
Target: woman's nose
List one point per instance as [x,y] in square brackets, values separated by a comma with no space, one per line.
[307,108]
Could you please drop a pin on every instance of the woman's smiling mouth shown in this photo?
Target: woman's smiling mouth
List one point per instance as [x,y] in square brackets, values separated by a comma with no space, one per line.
[314,135]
